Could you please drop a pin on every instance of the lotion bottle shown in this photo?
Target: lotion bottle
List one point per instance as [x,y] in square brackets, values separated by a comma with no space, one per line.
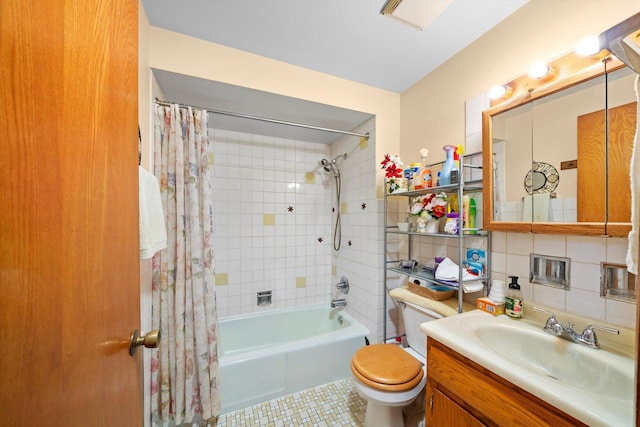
[513,302]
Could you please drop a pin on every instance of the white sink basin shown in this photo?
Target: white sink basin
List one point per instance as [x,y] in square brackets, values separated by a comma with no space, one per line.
[595,386]
[591,370]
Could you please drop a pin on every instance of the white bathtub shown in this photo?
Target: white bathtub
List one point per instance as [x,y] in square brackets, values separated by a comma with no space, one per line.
[274,353]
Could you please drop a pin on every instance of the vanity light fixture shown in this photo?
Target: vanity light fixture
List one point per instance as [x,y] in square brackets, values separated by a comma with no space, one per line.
[588,46]
[538,70]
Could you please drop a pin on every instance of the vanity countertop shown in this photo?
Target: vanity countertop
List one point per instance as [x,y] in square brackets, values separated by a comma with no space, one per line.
[596,386]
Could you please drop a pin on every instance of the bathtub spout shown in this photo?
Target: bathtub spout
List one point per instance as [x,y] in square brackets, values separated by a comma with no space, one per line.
[341,302]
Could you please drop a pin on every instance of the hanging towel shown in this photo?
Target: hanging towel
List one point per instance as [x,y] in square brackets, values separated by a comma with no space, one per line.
[538,206]
[153,233]
[632,251]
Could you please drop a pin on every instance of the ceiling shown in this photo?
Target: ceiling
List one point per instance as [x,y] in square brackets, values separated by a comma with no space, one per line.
[344,38]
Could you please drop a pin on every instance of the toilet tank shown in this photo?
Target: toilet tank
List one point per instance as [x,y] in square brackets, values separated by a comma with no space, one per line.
[412,316]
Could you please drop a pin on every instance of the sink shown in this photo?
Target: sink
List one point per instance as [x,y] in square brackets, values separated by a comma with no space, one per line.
[596,386]
[588,369]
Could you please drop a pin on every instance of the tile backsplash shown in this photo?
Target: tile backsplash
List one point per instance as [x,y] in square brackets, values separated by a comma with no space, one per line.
[511,257]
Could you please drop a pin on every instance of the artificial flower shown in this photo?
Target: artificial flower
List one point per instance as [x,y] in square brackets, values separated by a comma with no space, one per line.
[393,166]
[430,205]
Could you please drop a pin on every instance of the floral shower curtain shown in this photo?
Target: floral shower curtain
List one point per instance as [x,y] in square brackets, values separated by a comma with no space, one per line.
[184,370]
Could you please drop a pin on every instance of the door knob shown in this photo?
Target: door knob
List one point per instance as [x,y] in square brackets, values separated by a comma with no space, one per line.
[150,340]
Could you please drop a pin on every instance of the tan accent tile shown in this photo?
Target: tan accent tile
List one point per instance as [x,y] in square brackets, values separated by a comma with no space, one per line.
[269,219]
[301,282]
[343,208]
[222,279]
[364,142]
[211,158]
[334,270]
[310,178]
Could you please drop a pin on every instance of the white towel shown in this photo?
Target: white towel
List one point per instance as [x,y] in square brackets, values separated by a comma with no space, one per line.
[153,233]
[449,271]
[538,206]
[470,287]
[632,251]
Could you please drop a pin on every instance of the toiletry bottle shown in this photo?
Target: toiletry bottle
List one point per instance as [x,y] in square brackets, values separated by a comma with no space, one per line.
[466,200]
[449,165]
[413,175]
[513,302]
[472,216]
[425,178]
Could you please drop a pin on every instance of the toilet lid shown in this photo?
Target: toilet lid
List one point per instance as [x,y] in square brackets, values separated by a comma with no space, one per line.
[386,367]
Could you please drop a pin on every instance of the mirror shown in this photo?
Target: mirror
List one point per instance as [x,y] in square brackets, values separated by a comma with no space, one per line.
[548,169]
[575,151]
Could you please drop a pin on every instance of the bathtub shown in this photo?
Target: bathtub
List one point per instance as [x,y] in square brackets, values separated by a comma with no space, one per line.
[274,353]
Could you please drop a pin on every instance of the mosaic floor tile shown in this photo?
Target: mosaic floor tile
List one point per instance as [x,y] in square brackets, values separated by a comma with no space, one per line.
[328,405]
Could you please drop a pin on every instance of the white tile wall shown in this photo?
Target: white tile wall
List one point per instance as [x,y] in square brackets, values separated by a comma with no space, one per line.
[259,243]
[254,175]
[511,257]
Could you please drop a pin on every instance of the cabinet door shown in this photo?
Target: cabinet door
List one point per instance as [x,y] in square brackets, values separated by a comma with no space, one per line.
[444,412]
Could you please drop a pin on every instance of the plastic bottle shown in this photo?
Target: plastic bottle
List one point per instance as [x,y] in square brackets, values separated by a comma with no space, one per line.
[414,169]
[425,177]
[472,216]
[513,302]
[449,165]
[466,202]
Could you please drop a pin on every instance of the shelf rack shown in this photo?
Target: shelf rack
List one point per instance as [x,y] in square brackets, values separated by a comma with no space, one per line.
[460,188]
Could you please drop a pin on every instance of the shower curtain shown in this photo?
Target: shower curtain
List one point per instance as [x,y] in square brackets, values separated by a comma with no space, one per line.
[184,369]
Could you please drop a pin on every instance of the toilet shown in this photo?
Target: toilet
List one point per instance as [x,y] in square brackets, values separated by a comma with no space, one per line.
[390,377]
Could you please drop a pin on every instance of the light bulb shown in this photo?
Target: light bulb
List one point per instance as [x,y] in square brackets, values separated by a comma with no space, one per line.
[538,70]
[497,92]
[588,46]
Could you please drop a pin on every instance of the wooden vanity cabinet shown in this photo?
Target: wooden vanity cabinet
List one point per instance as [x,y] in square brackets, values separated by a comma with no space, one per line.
[462,393]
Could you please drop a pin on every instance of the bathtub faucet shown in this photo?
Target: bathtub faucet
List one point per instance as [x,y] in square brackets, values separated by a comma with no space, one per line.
[341,302]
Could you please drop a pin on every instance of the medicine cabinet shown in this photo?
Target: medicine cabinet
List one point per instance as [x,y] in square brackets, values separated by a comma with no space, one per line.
[561,150]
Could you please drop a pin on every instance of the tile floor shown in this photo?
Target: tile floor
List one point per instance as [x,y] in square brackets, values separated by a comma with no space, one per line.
[333,404]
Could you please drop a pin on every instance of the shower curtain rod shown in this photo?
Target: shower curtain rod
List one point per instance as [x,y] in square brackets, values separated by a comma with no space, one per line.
[265,119]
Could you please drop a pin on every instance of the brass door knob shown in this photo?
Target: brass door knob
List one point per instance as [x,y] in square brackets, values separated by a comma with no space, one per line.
[150,340]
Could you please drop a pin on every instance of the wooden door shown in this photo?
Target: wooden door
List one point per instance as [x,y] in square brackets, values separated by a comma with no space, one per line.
[69,266]
[591,192]
[592,161]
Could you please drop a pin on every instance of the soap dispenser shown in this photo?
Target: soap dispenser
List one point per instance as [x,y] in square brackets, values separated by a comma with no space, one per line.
[513,302]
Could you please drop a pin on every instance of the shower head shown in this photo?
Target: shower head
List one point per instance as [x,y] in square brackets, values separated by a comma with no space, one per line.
[331,166]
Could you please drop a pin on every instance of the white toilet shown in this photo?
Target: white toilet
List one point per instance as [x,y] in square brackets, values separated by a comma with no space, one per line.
[388,377]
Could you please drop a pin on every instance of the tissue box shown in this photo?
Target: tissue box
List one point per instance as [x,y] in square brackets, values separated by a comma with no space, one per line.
[475,263]
[489,306]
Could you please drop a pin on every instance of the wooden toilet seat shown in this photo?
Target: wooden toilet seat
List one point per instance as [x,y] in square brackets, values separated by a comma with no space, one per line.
[386,367]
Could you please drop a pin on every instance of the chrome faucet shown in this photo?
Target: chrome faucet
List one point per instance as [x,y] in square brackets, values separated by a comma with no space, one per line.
[343,285]
[341,302]
[587,337]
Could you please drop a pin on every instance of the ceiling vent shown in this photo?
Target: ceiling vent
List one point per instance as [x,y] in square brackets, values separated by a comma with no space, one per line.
[416,13]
